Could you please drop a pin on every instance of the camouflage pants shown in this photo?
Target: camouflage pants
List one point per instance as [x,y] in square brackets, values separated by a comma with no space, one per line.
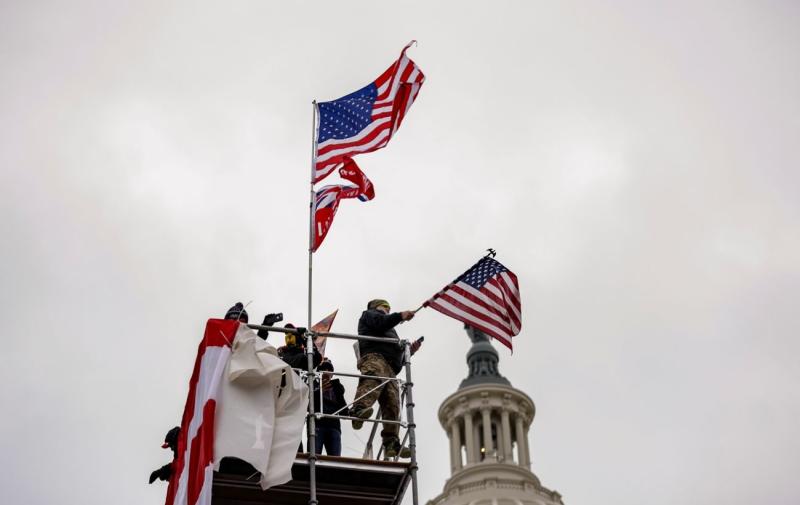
[388,395]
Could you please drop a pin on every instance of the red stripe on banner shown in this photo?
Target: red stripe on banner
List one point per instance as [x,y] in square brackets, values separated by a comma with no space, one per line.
[343,145]
[477,324]
[322,171]
[483,312]
[337,160]
[453,304]
[510,314]
[399,108]
[410,67]
[218,333]
[492,327]
[509,281]
[395,68]
[479,301]
[382,115]
[385,76]
[492,296]
[512,298]
[478,315]
[364,136]
[202,452]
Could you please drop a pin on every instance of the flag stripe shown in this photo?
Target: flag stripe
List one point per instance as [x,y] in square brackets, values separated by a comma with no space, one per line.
[369,140]
[480,317]
[477,323]
[491,303]
[505,283]
[476,312]
[508,303]
[365,135]
[462,294]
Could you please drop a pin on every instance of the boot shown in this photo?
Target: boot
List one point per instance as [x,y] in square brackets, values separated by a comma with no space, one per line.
[364,413]
[392,448]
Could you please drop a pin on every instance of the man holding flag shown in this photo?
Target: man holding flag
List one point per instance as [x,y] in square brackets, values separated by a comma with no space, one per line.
[381,359]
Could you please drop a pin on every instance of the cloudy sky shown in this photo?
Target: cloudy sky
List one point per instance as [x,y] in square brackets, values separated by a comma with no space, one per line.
[635,164]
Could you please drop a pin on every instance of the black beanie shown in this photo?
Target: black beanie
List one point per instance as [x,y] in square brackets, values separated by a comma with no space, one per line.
[237,312]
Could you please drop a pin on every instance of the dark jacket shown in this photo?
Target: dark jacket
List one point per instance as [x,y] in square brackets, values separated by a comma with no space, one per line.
[375,323]
[295,356]
[332,400]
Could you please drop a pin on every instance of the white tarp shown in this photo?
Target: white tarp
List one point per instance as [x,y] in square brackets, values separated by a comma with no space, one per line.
[257,420]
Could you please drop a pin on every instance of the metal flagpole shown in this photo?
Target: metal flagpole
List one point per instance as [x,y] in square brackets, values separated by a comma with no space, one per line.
[311,204]
[311,439]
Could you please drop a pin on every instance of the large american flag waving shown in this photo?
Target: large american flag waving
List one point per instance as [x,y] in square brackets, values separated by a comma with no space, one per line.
[485,297]
[365,120]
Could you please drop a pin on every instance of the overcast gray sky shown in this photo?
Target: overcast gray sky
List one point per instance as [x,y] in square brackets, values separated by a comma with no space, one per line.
[634,163]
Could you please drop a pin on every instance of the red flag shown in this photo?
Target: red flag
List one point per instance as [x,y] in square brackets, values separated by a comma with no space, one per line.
[327,199]
[322,327]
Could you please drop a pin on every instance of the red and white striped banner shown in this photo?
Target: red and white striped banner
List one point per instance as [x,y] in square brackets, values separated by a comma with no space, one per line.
[192,474]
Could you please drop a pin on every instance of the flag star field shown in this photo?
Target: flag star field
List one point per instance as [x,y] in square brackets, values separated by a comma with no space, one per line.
[478,276]
[347,116]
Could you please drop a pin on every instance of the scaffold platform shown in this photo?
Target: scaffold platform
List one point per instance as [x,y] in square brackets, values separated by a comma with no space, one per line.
[339,481]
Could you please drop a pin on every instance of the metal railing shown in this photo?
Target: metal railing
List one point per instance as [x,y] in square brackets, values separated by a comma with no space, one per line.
[310,374]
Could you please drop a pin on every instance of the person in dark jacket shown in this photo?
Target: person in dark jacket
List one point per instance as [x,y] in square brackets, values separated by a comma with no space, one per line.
[294,355]
[381,359]
[294,352]
[329,429]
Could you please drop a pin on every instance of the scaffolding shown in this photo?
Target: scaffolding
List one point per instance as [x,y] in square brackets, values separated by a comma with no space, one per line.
[339,480]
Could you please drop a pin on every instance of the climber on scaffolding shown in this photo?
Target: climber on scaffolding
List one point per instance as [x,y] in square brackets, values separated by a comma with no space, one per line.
[381,359]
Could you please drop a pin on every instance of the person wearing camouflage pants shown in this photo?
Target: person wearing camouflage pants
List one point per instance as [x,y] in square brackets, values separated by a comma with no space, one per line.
[381,359]
[388,395]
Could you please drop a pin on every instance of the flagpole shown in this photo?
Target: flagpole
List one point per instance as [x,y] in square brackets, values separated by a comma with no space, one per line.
[311,438]
[311,205]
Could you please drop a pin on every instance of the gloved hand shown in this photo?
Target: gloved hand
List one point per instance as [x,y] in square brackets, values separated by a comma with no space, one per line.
[269,320]
[163,473]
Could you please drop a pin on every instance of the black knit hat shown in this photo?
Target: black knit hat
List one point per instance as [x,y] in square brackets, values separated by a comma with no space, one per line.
[237,312]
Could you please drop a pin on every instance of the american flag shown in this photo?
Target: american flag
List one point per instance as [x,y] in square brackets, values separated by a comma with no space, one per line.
[365,120]
[485,297]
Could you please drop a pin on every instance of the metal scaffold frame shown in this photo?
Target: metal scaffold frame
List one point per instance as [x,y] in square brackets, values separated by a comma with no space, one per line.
[311,417]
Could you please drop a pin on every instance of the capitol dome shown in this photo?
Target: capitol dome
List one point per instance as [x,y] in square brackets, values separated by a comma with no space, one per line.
[487,422]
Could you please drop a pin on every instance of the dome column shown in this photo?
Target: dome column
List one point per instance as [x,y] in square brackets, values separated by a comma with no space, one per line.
[455,446]
[522,443]
[469,438]
[488,446]
[505,424]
